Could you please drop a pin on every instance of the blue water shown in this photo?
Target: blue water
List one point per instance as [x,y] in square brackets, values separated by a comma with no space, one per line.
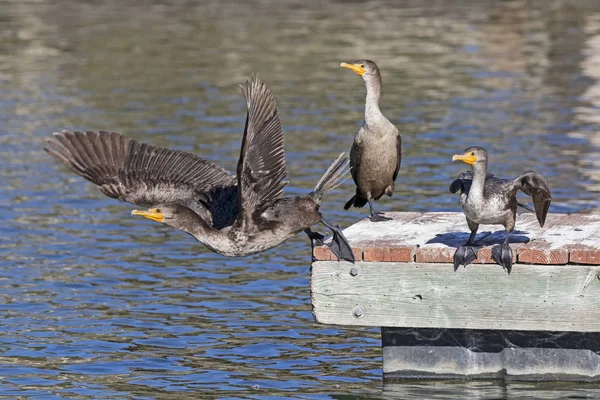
[99,304]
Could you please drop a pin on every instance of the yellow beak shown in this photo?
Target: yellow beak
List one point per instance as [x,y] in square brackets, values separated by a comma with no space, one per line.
[358,68]
[154,214]
[467,158]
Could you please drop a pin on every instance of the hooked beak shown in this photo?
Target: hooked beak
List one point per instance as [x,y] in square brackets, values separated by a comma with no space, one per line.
[467,158]
[154,214]
[358,68]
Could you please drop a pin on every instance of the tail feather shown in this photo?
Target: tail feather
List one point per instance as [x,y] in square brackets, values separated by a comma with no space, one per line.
[356,201]
[96,156]
[349,203]
[332,177]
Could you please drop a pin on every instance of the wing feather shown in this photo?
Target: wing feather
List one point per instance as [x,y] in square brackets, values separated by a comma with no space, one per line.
[534,185]
[135,172]
[261,168]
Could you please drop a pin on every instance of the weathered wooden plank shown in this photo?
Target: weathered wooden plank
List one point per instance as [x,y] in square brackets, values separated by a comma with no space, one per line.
[527,229]
[587,251]
[438,235]
[433,238]
[323,253]
[377,241]
[553,244]
[367,231]
[533,297]
[449,231]
[585,255]
[388,252]
[441,248]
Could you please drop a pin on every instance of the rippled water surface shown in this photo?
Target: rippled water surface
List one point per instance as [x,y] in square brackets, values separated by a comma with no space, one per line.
[98,304]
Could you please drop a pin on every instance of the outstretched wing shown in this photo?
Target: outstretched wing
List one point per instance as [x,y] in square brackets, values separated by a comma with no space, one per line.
[155,175]
[261,168]
[96,156]
[459,184]
[534,185]
[137,173]
[464,180]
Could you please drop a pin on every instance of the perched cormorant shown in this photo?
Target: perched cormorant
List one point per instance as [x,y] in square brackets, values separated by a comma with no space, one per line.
[377,149]
[231,215]
[486,199]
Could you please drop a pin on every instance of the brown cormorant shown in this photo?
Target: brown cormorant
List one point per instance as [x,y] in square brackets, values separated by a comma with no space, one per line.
[232,215]
[377,149]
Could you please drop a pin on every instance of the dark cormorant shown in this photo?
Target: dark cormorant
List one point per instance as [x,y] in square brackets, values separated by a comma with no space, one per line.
[231,215]
[377,149]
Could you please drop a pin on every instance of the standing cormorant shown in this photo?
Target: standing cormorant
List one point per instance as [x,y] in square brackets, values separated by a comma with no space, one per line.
[486,199]
[377,149]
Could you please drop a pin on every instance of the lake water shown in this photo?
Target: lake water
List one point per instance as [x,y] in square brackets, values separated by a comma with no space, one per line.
[98,304]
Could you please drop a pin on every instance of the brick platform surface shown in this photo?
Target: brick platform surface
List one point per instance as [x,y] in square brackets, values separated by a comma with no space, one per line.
[433,238]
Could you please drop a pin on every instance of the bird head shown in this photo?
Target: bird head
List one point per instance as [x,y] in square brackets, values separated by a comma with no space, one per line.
[367,69]
[472,155]
[175,215]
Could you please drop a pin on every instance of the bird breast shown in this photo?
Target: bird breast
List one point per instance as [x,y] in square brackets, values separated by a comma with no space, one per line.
[490,210]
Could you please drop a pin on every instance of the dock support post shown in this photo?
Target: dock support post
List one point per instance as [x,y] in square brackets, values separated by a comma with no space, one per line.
[430,353]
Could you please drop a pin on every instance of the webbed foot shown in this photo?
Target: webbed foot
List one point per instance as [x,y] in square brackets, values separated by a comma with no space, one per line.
[316,239]
[339,244]
[340,247]
[465,255]
[379,217]
[502,254]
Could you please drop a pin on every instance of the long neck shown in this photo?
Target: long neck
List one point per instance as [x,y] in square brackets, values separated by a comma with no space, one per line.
[479,173]
[372,112]
[195,225]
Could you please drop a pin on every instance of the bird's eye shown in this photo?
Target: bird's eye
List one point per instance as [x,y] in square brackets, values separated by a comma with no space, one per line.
[158,210]
[362,65]
[472,153]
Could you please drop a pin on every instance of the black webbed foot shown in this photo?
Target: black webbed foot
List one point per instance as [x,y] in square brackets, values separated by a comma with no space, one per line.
[316,239]
[502,254]
[339,244]
[465,255]
[379,217]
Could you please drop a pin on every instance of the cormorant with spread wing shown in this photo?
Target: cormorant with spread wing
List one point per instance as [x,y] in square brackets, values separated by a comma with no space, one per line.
[231,215]
[486,199]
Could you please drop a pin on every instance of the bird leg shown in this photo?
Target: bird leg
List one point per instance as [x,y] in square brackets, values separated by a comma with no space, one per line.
[316,239]
[467,253]
[376,216]
[502,254]
[339,244]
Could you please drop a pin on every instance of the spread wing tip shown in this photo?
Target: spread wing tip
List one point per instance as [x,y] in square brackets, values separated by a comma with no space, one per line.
[534,185]
[261,167]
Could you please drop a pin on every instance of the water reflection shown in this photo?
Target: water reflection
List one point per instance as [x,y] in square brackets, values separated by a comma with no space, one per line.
[489,390]
[98,304]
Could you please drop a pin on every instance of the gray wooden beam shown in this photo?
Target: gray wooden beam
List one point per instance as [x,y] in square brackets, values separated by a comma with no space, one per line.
[416,295]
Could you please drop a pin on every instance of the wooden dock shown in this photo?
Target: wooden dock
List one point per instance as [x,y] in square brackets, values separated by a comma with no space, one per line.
[541,322]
